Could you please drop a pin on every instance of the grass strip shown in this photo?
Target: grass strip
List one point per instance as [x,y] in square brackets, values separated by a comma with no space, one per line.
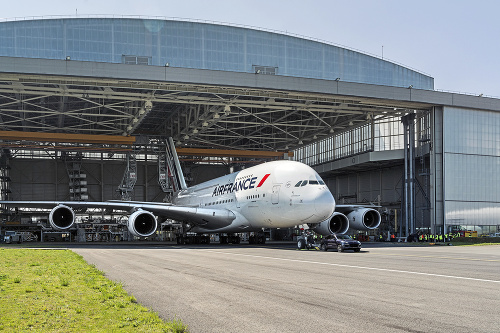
[57,291]
[477,241]
[473,244]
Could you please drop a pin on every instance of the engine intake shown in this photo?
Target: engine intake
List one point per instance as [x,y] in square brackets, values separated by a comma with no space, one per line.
[62,217]
[364,219]
[142,223]
[338,224]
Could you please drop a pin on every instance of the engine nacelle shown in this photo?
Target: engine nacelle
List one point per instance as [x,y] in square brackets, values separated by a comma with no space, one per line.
[364,219]
[62,217]
[142,223]
[338,224]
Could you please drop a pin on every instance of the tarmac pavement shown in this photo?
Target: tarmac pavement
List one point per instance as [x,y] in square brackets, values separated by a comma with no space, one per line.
[276,288]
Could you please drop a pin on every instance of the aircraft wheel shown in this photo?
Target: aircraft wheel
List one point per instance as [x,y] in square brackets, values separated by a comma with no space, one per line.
[261,239]
[301,244]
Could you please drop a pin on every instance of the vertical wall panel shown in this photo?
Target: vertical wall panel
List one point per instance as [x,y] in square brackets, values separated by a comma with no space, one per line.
[471,167]
[48,179]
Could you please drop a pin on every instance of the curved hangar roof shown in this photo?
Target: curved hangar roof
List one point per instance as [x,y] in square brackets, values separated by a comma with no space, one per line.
[220,86]
[198,45]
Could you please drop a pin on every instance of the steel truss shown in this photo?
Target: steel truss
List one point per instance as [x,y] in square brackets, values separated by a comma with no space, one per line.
[194,115]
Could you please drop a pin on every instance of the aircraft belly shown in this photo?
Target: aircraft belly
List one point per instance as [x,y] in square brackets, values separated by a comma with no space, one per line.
[276,216]
[239,224]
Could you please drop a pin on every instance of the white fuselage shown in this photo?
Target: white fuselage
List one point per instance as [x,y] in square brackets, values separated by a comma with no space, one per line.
[279,194]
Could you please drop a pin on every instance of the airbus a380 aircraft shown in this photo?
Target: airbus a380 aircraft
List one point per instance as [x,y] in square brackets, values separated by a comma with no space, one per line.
[278,194]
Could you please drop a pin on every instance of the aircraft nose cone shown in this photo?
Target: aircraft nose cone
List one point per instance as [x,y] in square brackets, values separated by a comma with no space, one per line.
[324,203]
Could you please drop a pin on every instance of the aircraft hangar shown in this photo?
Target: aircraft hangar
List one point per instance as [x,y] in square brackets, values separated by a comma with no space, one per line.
[87,104]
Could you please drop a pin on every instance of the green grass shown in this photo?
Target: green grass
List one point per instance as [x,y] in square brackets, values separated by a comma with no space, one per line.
[473,244]
[57,291]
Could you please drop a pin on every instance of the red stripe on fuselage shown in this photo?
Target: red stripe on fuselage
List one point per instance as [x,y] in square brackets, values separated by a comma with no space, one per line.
[263,180]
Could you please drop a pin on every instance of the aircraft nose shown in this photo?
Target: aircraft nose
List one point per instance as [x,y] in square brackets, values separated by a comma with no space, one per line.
[324,203]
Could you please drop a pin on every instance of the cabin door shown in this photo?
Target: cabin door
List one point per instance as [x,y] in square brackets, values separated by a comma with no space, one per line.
[275,198]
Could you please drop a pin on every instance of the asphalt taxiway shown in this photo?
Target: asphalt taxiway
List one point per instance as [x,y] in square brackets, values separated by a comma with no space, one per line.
[277,288]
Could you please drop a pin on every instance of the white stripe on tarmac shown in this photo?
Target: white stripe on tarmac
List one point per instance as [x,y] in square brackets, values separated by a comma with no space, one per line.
[357,267]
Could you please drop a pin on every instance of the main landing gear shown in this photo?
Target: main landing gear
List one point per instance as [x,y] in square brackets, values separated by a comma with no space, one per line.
[257,238]
[192,239]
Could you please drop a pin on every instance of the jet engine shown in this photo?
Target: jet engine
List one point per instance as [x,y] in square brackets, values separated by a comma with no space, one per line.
[364,219]
[338,224]
[62,217]
[142,223]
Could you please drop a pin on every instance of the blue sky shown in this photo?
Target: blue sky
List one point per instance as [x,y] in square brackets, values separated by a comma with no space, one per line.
[456,42]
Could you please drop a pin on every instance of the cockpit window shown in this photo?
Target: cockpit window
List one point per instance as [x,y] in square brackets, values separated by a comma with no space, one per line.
[320,181]
[317,181]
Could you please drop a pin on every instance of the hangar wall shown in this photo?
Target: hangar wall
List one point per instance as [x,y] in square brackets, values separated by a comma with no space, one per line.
[380,186]
[47,179]
[374,186]
[471,157]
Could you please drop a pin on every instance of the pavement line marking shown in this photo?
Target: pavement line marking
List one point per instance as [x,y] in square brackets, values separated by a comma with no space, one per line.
[358,267]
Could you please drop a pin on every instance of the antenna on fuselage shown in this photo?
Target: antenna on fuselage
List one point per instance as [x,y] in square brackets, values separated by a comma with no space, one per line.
[175,166]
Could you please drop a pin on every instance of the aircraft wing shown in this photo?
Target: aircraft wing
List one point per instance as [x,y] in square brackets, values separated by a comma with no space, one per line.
[350,208]
[208,218]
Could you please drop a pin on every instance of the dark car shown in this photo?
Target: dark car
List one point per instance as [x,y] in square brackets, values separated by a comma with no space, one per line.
[340,242]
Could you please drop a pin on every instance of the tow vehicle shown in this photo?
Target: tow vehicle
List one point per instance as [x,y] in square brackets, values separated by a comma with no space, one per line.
[306,241]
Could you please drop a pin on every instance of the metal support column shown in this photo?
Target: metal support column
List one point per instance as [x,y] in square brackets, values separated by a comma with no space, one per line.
[129,178]
[409,177]
[164,176]
[77,177]
[5,180]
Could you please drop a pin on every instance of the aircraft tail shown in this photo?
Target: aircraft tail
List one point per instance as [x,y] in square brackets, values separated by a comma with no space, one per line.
[175,166]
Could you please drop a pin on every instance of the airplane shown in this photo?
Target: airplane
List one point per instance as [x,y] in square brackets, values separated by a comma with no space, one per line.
[277,194]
